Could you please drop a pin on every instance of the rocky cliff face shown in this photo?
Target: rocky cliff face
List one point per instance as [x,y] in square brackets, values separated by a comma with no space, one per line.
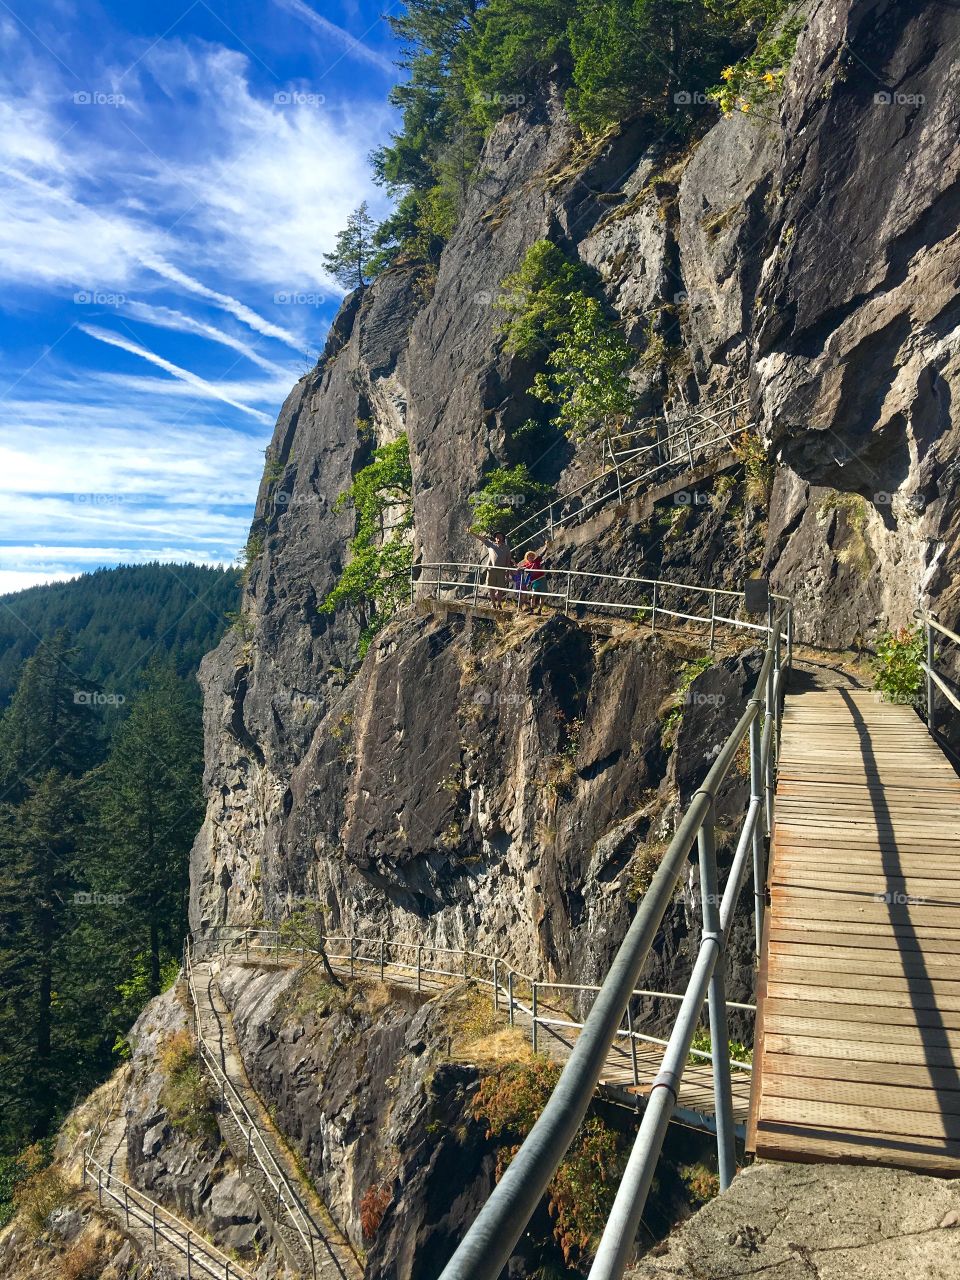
[499,786]
[809,257]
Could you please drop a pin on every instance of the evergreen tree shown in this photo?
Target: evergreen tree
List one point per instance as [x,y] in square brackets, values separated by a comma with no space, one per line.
[51,724]
[350,260]
[149,807]
[38,848]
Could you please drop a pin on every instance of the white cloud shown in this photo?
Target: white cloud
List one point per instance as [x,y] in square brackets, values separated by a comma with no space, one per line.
[349,44]
[19,579]
[232,305]
[166,318]
[193,380]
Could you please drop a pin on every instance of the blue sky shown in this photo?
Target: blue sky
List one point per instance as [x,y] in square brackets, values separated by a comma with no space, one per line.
[171,175]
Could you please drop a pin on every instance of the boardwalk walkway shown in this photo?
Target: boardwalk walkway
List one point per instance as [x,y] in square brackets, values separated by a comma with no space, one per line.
[857,1053]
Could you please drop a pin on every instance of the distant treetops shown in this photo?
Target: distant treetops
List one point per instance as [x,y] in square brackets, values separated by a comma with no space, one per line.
[467,63]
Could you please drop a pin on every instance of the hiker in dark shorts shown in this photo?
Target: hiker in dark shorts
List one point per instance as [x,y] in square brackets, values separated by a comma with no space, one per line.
[499,561]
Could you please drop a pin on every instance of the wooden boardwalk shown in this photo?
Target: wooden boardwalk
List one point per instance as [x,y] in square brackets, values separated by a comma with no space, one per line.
[857,1052]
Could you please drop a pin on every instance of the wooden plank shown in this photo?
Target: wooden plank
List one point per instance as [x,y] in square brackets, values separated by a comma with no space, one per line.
[858,1070]
[884,1049]
[880,1120]
[854,1093]
[832,1026]
[928,1155]
[800,960]
[937,1019]
[807,935]
[922,995]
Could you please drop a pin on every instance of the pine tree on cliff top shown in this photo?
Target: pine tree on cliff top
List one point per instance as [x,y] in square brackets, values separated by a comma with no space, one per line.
[350,260]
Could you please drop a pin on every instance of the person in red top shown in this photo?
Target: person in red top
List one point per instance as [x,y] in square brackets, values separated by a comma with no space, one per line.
[534,577]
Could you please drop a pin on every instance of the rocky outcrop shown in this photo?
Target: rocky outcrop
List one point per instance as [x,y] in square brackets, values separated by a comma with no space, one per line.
[828,1221]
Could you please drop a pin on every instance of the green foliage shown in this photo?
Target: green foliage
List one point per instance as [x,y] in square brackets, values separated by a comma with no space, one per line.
[119,619]
[500,503]
[535,299]
[349,263]
[759,76]
[586,376]
[16,1169]
[374,583]
[738,1051]
[688,673]
[581,1192]
[185,1094]
[552,308]
[42,1188]
[757,466]
[896,668]
[93,877]
[468,63]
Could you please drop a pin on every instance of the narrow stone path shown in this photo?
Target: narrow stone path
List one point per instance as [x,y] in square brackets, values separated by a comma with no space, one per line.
[160,1234]
[298,1218]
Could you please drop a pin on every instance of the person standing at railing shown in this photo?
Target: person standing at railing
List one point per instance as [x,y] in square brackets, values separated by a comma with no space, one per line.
[499,561]
[531,578]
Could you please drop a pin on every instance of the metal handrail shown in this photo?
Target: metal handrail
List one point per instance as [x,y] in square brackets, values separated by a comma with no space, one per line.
[694,442]
[277,1180]
[504,980]
[430,577]
[163,1224]
[934,679]
[487,1245]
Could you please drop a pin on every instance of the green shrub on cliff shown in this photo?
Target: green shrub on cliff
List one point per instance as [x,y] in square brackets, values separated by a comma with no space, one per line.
[552,305]
[375,581]
[507,493]
[581,1192]
[896,668]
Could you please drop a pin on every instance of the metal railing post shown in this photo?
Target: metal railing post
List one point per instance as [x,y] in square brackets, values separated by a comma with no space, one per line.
[930,694]
[713,618]
[419,963]
[716,995]
[496,991]
[633,1048]
[789,637]
[99,1187]
[775,669]
[756,796]
[381,959]
[533,1024]
[352,968]
[510,995]
[653,611]
[476,586]
[153,1224]
[566,602]
[465,962]
[189,1269]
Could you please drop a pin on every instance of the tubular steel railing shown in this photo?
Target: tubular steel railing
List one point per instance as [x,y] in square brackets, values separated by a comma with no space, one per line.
[689,437]
[934,680]
[199,1254]
[656,598]
[508,985]
[489,1242]
[287,1204]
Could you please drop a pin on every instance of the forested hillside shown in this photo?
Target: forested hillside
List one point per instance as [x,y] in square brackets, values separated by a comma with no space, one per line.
[100,797]
[119,618]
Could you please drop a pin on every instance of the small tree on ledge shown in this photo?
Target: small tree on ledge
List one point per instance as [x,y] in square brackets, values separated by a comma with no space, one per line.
[350,260]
